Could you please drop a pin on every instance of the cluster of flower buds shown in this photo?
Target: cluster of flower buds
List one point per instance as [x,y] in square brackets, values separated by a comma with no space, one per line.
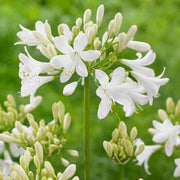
[44,169]
[10,113]
[121,148]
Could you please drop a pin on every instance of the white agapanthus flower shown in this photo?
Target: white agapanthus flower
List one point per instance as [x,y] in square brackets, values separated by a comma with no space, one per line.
[146,154]
[29,70]
[41,35]
[177,170]
[126,94]
[168,133]
[145,75]
[33,104]
[71,60]
[5,165]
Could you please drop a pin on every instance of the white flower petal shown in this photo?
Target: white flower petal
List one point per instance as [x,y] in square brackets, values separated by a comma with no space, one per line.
[66,74]
[90,55]
[139,46]
[80,42]
[81,69]
[62,45]
[118,76]
[60,61]
[104,108]
[101,76]
[70,88]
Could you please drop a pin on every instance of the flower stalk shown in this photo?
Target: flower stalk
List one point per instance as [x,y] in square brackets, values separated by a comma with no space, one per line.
[86,129]
[121,172]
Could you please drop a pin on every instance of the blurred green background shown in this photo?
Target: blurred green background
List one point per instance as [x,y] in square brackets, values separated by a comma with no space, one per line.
[158,24]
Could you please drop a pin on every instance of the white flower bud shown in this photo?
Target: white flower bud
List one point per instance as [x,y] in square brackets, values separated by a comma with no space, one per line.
[60,29]
[108,148]
[170,105]
[1,147]
[115,135]
[177,109]
[67,123]
[39,151]
[122,41]
[100,14]
[75,178]
[69,172]
[55,111]
[162,114]
[65,162]
[61,111]
[97,43]
[11,100]
[118,22]
[48,30]
[9,139]
[131,32]
[122,129]
[129,148]
[49,168]
[133,133]
[87,15]
[52,50]
[27,158]
[20,172]
[70,88]
[111,27]
[37,162]
[79,22]
[44,51]
[73,153]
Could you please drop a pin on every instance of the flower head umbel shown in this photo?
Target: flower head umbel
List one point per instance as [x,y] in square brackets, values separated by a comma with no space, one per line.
[166,132]
[146,154]
[71,59]
[124,93]
[177,170]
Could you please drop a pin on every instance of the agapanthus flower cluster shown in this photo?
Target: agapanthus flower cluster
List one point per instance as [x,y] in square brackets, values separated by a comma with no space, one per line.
[167,132]
[80,49]
[121,148]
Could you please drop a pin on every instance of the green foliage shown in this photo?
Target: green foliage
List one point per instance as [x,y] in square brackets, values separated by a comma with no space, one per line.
[158,24]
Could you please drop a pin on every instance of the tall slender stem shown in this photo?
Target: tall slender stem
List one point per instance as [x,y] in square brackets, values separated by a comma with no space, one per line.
[121,172]
[86,129]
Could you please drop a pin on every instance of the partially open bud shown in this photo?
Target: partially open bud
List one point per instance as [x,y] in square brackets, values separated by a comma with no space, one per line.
[70,88]
[100,14]
[97,43]
[69,172]
[49,168]
[139,46]
[170,105]
[64,162]
[108,148]
[73,153]
[139,149]
[48,30]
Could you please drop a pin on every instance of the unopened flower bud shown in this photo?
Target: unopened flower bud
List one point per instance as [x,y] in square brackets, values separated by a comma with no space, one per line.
[39,151]
[37,162]
[122,41]
[27,158]
[64,162]
[44,51]
[139,46]
[61,111]
[73,153]
[60,29]
[108,148]
[122,129]
[170,105]
[75,30]
[111,27]
[9,139]
[162,114]
[11,100]
[31,175]
[52,50]
[100,14]
[115,135]
[49,168]
[131,32]
[55,111]
[133,133]
[79,22]
[129,148]
[70,88]
[69,172]
[97,43]
[115,148]
[67,123]
[20,172]
[139,149]
[87,16]
[75,178]
[48,30]
[118,22]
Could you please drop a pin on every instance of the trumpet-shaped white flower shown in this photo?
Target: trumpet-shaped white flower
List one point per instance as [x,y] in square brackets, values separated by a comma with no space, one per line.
[168,133]
[72,58]
[29,70]
[41,35]
[138,46]
[70,88]
[146,154]
[151,83]
[139,64]
[33,104]
[177,170]
[5,165]
[125,94]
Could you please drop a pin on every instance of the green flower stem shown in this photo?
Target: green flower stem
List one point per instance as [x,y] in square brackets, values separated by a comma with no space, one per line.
[86,129]
[121,172]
